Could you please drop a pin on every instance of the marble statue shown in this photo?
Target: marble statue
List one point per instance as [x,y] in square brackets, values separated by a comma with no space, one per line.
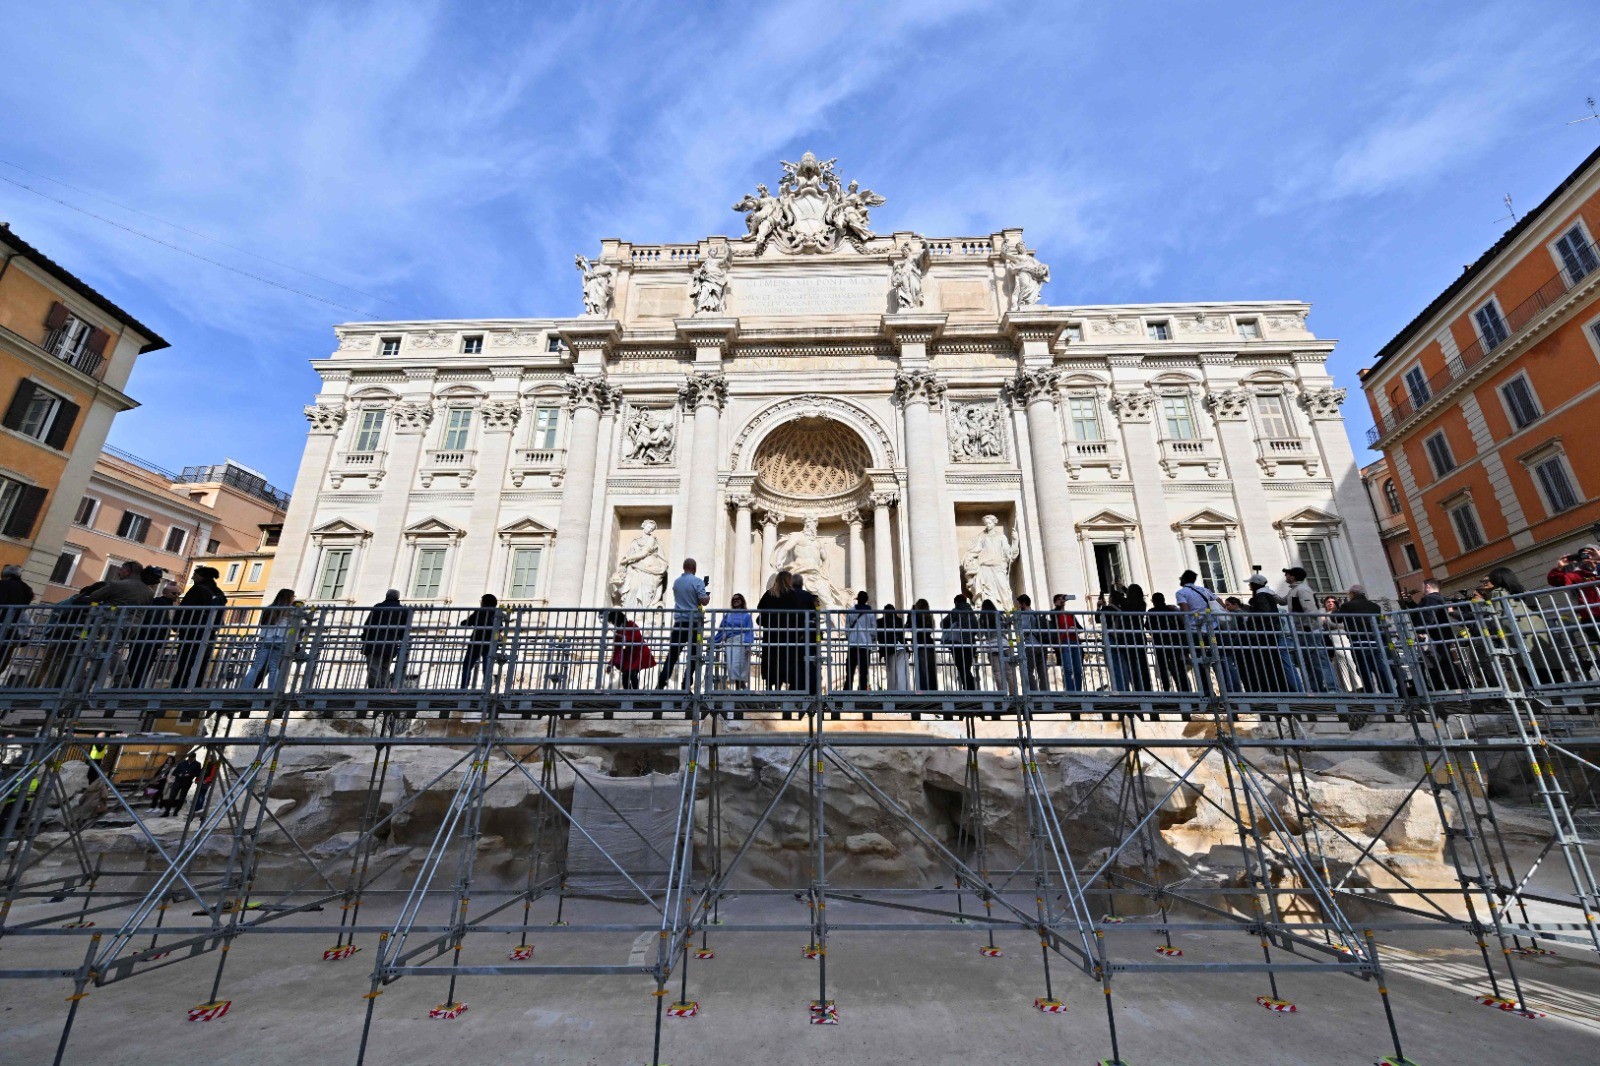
[849,213]
[813,211]
[762,213]
[641,572]
[976,433]
[1028,275]
[649,437]
[987,564]
[906,277]
[599,282]
[708,285]
[805,555]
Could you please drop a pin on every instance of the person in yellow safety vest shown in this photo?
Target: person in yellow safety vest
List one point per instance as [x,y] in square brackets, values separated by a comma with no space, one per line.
[11,799]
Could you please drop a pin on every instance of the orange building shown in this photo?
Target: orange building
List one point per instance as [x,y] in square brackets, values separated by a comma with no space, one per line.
[1488,403]
[65,355]
[1394,530]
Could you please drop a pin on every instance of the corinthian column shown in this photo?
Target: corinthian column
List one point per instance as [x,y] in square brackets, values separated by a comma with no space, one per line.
[741,549]
[586,397]
[918,392]
[883,549]
[856,564]
[1036,391]
[704,394]
[770,520]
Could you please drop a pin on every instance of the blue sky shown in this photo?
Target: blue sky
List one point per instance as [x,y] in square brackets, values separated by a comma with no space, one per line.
[449,160]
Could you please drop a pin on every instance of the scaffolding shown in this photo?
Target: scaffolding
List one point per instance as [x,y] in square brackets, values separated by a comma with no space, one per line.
[514,700]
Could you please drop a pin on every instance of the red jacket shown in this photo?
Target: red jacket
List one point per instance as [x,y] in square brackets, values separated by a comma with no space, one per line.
[1067,627]
[630,651]
[1588,595]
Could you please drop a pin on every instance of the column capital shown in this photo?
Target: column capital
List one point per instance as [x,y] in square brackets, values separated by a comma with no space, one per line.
[592,393]
[1031,385]
[704,388]
[742,501]
[500,414]
[770,517]
[325,417]
[887,498]
[918,386]
[1322,403]
[1228,405]
[852,517]
[1132,405]
[411,416]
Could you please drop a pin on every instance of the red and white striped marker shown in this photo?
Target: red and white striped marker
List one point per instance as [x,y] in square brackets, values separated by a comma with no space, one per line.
[1168,950]
[1050,1006]
[811,951]
[704,953]
[1509,1006]
[343,951]
[823,1012]
[1280,1006]
[448,1011]
[520,953]
[210,1012]
[684,1010]
[990,953]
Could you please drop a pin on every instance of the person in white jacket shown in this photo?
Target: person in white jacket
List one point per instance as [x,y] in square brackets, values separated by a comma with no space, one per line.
[861,625]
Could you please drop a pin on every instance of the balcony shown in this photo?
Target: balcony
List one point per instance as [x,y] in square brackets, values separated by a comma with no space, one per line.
[367,465]
[551,461]
[1274,451]
[458,462]
[1176,453]
[1084,453]
[1517,321]
[77,355]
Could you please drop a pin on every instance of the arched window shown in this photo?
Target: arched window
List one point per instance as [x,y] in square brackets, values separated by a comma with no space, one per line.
[1392,496]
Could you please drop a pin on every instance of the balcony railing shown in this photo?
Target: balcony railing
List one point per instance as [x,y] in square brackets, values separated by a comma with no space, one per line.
[1176,452]
[455,461]
[357,464]
[61,344]
[1518,319]
[552,461]
[1082,453]
[1275,450]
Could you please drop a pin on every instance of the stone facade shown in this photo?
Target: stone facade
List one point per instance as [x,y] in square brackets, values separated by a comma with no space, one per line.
[732,389]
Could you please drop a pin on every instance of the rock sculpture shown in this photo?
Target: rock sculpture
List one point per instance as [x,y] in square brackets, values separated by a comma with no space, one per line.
[1028,275]
[650,437]
[987,564]
[641,572]
[599,284]
[708,285]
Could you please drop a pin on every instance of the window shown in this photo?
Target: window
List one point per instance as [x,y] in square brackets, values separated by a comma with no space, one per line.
[1074,332]
[1273,415]
[1417,386]
[1158,330]
[524,573]
[1468,533]
[370,432]
[88,507]
[429,573]
[1412,559]
[112,565]
[335,572]
[1211,564]
[176,539]
[1317,562]
[41,414]
[1578,258]
[1084,412]
[19,506]
[456,429]
[255,571]
[1178,416]
[133,527]
[72,340]
[1519,401]
[212,546]
[1391,496]
[233,573]
[391,346]
[1556,484]
[472,345]
[271,536]
[545,421]
[66,566]
[1249,329]
[554,344]
[1491,327]
[1439,454]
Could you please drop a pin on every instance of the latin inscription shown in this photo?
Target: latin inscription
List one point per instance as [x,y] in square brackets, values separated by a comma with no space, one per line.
[846,294]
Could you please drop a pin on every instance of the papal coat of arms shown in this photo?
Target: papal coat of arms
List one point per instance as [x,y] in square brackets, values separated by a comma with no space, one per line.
[813,211]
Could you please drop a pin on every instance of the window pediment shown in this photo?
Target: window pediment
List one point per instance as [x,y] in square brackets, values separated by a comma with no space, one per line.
[1206,518]
[526,527]
[341,528]
[1309,518]
[432,527]
[1108,520]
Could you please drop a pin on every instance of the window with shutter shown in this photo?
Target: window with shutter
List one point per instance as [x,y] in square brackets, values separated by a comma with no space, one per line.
[1491,326]
[19,507]
[1577,255]
[20,404]
[1520,404]
[133,527]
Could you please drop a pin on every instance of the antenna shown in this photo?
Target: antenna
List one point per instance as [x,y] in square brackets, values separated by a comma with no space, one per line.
[1511,211]
[1592,116]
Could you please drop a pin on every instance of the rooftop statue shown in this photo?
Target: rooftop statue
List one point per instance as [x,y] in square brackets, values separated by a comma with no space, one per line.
[599,282]
[813,211]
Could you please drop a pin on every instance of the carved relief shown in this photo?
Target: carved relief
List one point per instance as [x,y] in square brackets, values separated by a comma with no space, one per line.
[500,414]
[649,437]
[1229,405]
[1132,405]
[1115,326]
[355,343]
[411,416]
[1200,322]
[1322,402]
[918,386]
[887,498]
[433,338]
[977,432]
[514,338]
[1296,321]
[325,417]
[704,388]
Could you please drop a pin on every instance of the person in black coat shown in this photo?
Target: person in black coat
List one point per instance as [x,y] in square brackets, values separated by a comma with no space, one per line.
[178,784]
[195,627]
[960,627]
[382,637]
[481,625]
[922,647]
[1264,661]
[150,636]
[775,655]
[15,594]
[799,609]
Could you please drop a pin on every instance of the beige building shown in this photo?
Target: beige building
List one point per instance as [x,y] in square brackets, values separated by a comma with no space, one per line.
[135,510]
[246,577]
[1394,529]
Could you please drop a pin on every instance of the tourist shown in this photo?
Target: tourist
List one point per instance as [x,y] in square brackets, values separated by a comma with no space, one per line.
[1165,623]
[892,646]
[689,595]
[1035,633]
[1361,619]
[1131,633]
[197,624]
[148,638]
[735,634]
[383,636]
[1316,665]
[1202,613]
[208,777]
[799,609]
[178,783]
[991,637]
[1508,597]
[156,790]
[923,648]
[272,638]
[1439,633]
[959,628]
[482,624]
[15,594]
[1070,648]
[1581,573]
[860,635]
[127,589]
[630,654]
[775,658]
[1344,663]
[1266,658]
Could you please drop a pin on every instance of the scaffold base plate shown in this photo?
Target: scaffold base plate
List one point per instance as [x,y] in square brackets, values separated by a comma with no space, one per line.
[1169,951]
[520,953]
[210,1012]
[704,953]
[1509,1006]
[448,1010]
[343,951]
[1277,1006]
[823,1012]
[992,953]
[684,1010]
[1390,1060]
[1050,1006]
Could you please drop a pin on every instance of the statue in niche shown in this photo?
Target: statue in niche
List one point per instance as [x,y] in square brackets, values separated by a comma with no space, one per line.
[805,555]
[641,572]
[649,437]
[987,564]
[976,433]
[599,282]
[708,286]
[1028,275]
[906,277]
